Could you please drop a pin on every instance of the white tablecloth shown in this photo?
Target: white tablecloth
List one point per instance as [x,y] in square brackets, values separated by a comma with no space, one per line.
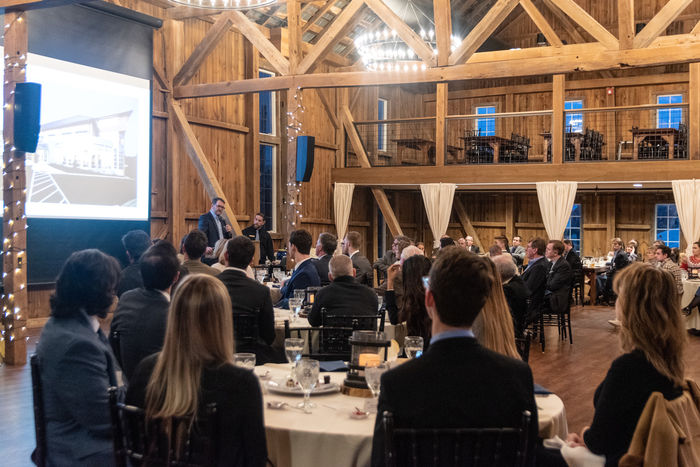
[689,289]
[281,315]
[328,436]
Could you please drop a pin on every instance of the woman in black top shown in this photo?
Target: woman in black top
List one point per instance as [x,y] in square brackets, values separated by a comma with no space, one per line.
[653,336]
[412,310]
[195,369]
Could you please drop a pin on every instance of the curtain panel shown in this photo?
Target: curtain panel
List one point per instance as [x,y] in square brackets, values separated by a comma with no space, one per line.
[687,196]
[556,200]
[438,198]
[342,201]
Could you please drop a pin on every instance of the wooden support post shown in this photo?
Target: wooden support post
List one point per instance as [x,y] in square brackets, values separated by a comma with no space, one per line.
[14,299]
[558,90]
[610,127]
[610,218]
[441,124]
[252,139]
[625,23]
[291,218]
[694,112]
[510,217]
[466,223]
[508,122]
[342,101]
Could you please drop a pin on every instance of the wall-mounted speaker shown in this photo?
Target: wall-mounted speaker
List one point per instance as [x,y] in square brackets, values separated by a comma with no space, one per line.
[305,157]
[27,111]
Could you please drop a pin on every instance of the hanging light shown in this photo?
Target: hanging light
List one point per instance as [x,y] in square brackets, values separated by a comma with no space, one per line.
[226,4]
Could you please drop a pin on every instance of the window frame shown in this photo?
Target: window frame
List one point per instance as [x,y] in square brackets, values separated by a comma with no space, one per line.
[668,229]
[478,120]
[271,222]
[382,137]
[568,114]
[569,228]
[273,104]
[669,121]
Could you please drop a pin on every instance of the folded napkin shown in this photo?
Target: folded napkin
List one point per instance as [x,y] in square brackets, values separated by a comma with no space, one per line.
[333,365]
[579,456]
[541,390]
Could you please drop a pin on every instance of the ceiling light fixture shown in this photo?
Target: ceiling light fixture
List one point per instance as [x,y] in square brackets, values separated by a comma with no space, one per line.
[226,4]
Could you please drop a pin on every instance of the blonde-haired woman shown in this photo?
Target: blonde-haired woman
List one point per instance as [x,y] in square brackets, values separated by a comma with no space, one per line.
[653,335]
[218,254]
[493,327]
[195,369]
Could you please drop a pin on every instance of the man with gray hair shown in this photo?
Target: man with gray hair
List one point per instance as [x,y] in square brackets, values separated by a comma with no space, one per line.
[514,289]
[344,295]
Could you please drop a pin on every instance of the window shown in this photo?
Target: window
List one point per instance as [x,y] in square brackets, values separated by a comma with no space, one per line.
[574,121]
[486,126]
[574,228]
[267,108]
[669,118]
[382,106]
[267,185]
[668,227]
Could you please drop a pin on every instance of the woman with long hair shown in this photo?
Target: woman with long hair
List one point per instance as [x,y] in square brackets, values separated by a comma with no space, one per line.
[195,368]
[653,336]
[412,308]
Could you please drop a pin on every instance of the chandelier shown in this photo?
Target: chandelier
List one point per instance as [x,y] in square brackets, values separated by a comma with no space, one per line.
[226,4]
[384,50]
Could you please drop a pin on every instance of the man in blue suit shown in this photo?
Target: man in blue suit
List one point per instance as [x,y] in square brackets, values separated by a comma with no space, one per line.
[305,273]
[213,225]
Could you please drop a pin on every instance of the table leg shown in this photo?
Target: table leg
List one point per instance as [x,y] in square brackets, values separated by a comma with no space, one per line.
[577,149]
[670,139]
[496,152]
[592,284]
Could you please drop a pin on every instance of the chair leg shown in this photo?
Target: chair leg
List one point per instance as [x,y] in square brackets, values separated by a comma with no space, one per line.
[542,338]
[568,321]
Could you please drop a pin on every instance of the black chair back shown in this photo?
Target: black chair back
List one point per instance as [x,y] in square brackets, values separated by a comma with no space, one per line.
[523,345]
[476,447]
[39,454]
[115,343]
[246,331]
[176,442]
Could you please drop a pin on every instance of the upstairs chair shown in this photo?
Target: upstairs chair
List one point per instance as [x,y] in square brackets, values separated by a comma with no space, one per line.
[176,442]
[680,145]
[39,454]
[476,447]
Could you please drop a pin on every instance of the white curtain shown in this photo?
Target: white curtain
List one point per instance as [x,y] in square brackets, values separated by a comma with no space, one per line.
[687,196]
[556,200]
[342,200]
[438,198]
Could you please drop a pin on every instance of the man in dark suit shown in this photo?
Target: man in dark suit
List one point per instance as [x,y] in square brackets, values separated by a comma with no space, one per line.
[258,232]
[142,314]
[248,296]
[456,383]
[574,261]
[391,256]
[305,273]
[535,277]
[325,247]
[470,244]
[344,296]
[618,262]
[518,252]
[559,278]
[194,246]
[515,291]
[363,268]
[135,243]
[213,225]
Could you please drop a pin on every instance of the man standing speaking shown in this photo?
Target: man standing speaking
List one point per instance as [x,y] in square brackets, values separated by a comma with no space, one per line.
[213,225]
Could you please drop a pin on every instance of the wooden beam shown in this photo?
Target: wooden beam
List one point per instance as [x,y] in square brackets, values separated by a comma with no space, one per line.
[389,217]
[334,33]
[482,31]
[558,99]
[587,22]
[159,75]
[625,23]
[541,23]
[327,107]
[441,124]
[203,49]
[406,33]
[660,22]
[294,39]
[316,16]
[567,25]
[610,217]
[510,216]
[252,141]
[218,124]
[466,223]
[251,32]
[200,162]
[443,30]
[694,112]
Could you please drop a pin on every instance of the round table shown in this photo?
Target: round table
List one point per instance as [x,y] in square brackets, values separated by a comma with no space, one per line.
[690,287]
[328,436]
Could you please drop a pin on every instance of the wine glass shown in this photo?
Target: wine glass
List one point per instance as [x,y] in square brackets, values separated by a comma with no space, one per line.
[244,360]
[278,274]
[293,347]
[307,375]
[295,306]
[300,294]
[413,346]
[373,375]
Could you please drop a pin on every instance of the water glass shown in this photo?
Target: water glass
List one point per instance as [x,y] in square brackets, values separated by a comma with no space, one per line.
[293,347]
[295,306]
[373,375]
[244,360]
[413,346]
[300,294]
[260,275]
[307,371]
[380,302]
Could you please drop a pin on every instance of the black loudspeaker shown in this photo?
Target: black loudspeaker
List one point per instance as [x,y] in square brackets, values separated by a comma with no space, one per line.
[27,111]
[305,157]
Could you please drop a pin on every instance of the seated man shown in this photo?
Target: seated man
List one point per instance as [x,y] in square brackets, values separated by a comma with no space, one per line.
[344,296]
[305,273]
[535,277]
[249,296]
[391,256]
[619,261]
[515,291]
[194,247]
[363,268]
[325,248]
[482,389]
[559,278]
[664,262]
[135,242]
[142,314]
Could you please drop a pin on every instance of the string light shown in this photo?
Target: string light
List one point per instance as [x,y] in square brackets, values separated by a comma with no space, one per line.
[294,116]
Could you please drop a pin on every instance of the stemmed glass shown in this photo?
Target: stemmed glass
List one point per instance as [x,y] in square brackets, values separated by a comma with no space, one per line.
[293,347]
[413,346]
[380,302]
[373,375]
[307,375]
[295,306]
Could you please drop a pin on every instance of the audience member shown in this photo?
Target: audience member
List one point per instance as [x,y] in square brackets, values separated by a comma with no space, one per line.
[559,278]
[76,365]
[664,262]
[632,253]
[142,314]
[571,256]
[518,252]
[195,368]
[495,250]
[305,273]
[258,232]
[502,241]
[391,256]
[693,262]
[325,248]
[462,243]
[363,268]
[195,246]
[446,241]
[653,361]
[396,284]
[483,389]
[650,256]
[344,296]
[471,246]
[411,308]
[213,226]
[515,291]
[249,297]
[618,262]
[421,247]
[135,242]
[535,277]
[216,259]
[675,255]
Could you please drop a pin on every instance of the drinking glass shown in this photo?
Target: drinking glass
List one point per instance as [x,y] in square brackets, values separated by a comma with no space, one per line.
[307,375]
[373,376]
[300,294]
[380,302]
[413,346]
[295,306]
[278,274]
[260,275]
[293,347]
[244,360]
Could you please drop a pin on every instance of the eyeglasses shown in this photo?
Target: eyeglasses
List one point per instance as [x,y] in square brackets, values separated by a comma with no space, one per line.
[221,206]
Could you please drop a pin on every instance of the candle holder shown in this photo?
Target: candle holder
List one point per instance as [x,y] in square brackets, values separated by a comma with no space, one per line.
[369,348]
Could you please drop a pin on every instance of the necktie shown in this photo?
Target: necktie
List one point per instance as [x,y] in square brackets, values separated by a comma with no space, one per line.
[219,225]
[257,235]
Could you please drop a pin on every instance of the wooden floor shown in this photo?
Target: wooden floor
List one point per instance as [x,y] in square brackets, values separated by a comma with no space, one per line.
[571,371]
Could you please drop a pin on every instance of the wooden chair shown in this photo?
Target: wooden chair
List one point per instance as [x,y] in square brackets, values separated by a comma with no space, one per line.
[39,454]
[476,447]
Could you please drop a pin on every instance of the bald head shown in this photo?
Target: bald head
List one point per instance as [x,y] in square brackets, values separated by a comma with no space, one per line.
[505,266]
[341,265]
[409,251]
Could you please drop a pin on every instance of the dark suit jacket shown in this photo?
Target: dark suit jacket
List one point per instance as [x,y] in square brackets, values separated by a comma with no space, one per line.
[619,261]
[236,392]
[130,278]
[576,266]
[305,275]
[267,251]
[535,278]
[516,293]
[323,266]
[474,249]
[208,226]
[76,368]
[363,269]
[456,383]
[141,317]
[558,286]
[344,296]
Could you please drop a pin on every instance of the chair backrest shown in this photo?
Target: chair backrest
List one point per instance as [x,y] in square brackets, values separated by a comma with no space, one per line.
[39,454]
[476,447]
[523,345]
[164,443]
[245,328]
[115,343]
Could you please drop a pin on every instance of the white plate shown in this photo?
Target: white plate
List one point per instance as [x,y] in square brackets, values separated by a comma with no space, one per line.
[279,386]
